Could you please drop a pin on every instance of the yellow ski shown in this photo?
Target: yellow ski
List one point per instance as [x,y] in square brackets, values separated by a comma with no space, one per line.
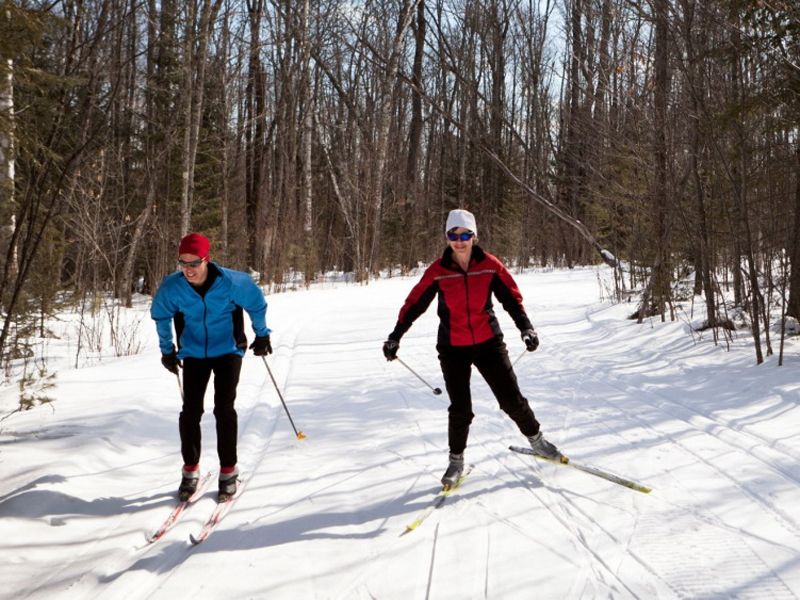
[565,462]
[437,502]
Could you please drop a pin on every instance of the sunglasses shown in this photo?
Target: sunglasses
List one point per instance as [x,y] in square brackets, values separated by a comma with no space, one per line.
[453,237]
[193,263]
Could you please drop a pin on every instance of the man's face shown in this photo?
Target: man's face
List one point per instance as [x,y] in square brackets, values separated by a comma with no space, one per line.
[194,268]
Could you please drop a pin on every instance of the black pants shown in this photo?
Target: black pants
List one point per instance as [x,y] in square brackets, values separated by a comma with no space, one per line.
[491,360]
[196,374]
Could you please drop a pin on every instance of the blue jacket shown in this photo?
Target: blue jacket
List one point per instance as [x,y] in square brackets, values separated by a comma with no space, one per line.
[210,325]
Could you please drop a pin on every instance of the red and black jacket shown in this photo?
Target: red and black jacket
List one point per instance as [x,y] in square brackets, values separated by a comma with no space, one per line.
[466,316]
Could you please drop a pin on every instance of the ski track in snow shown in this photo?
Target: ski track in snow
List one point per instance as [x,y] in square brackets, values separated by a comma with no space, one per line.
[771,456]
[674,544]
[712,424]
[591,560]
[717,524]
[717,433]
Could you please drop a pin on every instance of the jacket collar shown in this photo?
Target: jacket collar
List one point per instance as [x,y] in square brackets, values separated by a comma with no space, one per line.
[447,258]
[214,273]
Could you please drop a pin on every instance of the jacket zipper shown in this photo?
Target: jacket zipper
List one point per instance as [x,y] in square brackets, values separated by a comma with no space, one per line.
[205,315]
[469,317]
[205,326]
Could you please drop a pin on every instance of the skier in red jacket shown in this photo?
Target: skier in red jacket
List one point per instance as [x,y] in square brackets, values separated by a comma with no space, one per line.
[464,279]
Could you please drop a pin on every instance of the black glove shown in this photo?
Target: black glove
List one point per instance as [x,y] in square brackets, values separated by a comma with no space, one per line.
[261,346]
[531,339]
[171,361]
[390,348]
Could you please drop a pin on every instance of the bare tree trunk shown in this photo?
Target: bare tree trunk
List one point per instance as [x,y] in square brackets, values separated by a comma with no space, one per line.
[741,192]
[255,131]
[411,185]
[572,150]
[161,128]
[384,114]
[126,275]
[793,305]
[225,143]
[194,88]
[657,292]
[7,159]
[349,212]
[415,126]
[498,31]
[307,105]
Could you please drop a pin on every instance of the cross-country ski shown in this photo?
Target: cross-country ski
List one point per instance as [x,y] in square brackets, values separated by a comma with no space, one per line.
[221,508]
[566,462]
[178,510]
[437,501]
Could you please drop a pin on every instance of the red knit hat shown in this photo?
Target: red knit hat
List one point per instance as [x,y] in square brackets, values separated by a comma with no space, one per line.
[196,244]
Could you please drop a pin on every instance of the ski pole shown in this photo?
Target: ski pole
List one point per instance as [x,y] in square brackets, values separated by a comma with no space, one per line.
[524,352]
[299,434]
[180,385]
[436,391]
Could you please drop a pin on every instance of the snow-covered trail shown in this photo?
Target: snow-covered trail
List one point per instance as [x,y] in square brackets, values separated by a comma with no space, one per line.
[715,436]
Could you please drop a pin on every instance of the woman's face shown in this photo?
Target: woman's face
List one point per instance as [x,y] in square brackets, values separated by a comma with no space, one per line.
[459,245]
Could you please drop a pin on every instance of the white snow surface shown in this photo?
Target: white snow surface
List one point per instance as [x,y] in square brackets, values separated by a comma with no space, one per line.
[716,436]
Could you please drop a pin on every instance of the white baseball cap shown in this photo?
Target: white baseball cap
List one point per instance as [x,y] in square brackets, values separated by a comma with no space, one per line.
[461,218]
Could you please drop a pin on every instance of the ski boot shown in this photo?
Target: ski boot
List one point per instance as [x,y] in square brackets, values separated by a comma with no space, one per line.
[454,470]
[544,448]
[189,481]
[228,484]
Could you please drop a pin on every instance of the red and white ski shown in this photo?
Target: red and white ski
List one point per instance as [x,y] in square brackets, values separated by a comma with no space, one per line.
[220,510]
[177,511]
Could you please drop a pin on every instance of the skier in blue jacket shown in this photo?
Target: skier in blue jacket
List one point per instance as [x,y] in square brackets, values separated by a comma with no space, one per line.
[205,303]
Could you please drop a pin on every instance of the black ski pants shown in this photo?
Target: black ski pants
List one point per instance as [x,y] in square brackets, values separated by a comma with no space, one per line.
[491,360]
[196,375]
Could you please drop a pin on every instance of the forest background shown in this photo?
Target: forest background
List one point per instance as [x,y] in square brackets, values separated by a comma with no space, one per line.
[305,137]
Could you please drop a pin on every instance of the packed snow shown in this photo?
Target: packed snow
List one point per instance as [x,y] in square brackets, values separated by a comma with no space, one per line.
[88,476]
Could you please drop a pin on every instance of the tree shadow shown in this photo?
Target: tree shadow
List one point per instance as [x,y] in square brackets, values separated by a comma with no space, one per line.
[29,503]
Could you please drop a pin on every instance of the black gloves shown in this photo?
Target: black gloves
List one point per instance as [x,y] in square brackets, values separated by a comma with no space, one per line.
[531,339]
[390,348]
[261,346]
[171,361]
